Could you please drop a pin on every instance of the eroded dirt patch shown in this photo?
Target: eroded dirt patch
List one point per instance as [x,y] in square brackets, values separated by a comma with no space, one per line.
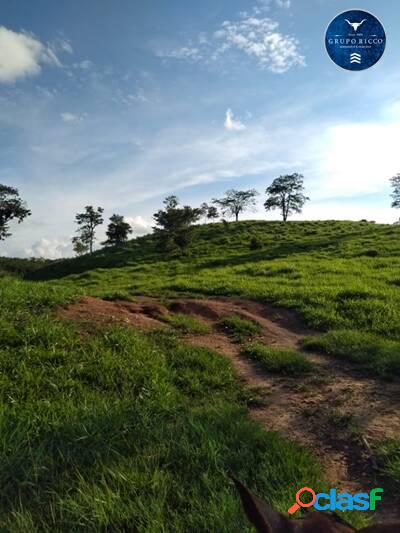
[89,310]
[337,412]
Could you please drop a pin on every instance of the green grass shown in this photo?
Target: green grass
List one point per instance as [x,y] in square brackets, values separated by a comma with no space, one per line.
[124,430]
[389,454]
[186,323]
[278,360]
[336,275]
[239,328]
[378,355]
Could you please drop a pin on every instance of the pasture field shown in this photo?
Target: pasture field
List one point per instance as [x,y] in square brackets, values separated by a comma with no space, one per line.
[340,277]
[116,429]
[121,430]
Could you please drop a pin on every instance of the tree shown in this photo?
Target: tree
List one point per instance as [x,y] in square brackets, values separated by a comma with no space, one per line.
[236,202]
[212,213]
[174,224]
[87,224]
[12,207]
[395,181]
[118,231]
[287,194]
[204,210]
[79,247]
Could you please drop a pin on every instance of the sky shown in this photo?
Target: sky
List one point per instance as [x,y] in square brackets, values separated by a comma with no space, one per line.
[120,103]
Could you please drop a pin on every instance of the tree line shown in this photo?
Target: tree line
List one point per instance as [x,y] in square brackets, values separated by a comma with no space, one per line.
[174,222]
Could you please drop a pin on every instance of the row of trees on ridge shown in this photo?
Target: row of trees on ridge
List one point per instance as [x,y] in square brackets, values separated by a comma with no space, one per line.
[173,222]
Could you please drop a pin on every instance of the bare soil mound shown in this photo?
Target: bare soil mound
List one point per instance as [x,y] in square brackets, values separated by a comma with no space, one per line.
[101,312]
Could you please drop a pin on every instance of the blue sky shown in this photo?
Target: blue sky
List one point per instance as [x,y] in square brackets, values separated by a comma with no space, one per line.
[121,103]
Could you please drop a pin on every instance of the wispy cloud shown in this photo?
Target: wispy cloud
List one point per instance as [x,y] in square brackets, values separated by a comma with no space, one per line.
[185,52]
[263,6]
[252,34]
[71,118]
[231,123]
[86,64]
[261,39]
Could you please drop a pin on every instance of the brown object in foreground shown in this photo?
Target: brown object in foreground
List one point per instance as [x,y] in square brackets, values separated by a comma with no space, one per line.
[266,520]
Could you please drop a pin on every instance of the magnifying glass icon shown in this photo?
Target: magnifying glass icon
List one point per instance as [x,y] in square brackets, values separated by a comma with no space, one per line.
[299,503]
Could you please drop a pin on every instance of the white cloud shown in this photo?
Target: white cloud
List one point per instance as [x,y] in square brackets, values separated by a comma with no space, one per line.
[50,249]
[139,97]
[139,225]
[284,3]
[21,55]
[122,97]
[256,36]
[265,5]
[231,123]
[71,118]
[259,38]
[86,64]
[65,46]
[185,52]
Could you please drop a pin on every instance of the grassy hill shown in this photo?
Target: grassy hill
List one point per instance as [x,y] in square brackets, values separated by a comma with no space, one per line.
[114,429]
[343,278]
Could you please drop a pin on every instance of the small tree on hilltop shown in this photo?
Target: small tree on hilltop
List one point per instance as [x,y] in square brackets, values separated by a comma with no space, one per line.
[12,207]
[212,213]
[87,224]
[395,181]
[204,207]
[118,231]
[236,202]
[287,194]
[174,224]
[79,247]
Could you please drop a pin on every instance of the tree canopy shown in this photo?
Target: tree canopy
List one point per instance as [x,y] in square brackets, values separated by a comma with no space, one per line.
[87,224]
[236,202]
[173,223]
[118,231]
[395,181]
[287,194]
[12,207]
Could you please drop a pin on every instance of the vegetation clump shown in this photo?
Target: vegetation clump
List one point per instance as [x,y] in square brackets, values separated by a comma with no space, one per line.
[278,360]
[240,328]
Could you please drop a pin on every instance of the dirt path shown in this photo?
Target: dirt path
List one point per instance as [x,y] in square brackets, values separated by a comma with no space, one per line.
[337,412]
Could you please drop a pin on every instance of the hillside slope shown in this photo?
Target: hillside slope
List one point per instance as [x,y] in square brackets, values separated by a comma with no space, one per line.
[107,425]
[341,277]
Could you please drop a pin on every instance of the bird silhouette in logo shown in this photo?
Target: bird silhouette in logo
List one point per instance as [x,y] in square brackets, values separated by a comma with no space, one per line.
[355,25]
